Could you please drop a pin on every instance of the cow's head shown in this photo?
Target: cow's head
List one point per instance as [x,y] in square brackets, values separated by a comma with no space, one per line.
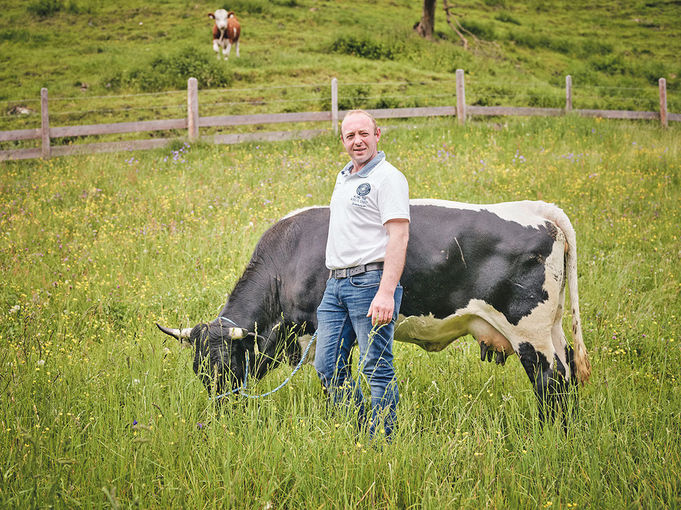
[220,16]
[219,352]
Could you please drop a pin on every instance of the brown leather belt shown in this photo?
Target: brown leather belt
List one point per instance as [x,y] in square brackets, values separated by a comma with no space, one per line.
[355,270]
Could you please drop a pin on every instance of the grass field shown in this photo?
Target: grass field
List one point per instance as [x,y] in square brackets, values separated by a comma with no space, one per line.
[126,60]
[99,410]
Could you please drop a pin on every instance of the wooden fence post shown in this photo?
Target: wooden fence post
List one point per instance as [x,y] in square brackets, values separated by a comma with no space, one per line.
[334,105]
[568,93]
[663,102]
[193,109]
[45,124]
[460,97]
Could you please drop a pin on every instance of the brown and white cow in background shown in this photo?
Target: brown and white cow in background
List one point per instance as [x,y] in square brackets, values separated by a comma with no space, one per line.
[226,32]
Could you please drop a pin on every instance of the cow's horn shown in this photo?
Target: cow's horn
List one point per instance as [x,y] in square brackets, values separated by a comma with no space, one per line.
[236,333]
[180,334]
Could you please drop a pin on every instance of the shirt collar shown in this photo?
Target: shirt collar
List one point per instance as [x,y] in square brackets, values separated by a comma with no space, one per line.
[366,170]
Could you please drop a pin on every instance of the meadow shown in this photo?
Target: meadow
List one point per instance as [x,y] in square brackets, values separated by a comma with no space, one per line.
[128,61]
[98,409]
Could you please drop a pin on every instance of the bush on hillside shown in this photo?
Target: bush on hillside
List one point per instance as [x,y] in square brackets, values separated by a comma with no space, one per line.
[45,8]
[505,17]
[595,47]
[171,72]
[611,64]
[480,29]
[241,7]
[652,71]
[533,40]
[365,47]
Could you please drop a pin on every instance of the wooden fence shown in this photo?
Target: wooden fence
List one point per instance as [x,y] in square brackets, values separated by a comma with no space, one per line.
[193,122]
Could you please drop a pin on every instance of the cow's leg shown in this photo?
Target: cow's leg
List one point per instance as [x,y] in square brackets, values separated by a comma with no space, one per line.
[216,48]
[542,376]
[227,49]
[237,48]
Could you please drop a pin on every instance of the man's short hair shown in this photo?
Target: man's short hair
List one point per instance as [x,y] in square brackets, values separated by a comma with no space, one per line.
[361,112]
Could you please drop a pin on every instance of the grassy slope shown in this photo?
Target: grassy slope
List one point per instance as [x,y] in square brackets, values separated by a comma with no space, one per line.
[526,49]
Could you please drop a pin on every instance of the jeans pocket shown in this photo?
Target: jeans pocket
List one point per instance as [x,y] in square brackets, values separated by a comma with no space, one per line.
[366,280]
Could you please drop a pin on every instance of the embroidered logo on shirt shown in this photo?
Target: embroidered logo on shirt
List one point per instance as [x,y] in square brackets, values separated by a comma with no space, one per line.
[363,189]
[360,198]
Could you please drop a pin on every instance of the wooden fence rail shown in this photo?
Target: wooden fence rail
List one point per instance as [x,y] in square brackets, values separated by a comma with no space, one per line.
[193,122]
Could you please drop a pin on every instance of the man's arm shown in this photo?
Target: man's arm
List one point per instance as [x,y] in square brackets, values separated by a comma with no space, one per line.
[383,304]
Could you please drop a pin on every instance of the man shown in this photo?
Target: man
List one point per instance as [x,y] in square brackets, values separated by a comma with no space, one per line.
[365,252]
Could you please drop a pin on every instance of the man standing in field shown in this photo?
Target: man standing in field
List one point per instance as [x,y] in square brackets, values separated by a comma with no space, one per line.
[365,252]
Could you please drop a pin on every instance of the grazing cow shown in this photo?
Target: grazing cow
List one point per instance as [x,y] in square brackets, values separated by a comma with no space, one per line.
[226,32]
[496,271]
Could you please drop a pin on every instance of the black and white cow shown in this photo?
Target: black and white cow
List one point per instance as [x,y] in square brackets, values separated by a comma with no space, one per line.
[496,271]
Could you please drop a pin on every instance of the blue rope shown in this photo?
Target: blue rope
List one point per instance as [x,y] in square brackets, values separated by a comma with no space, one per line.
[241,390]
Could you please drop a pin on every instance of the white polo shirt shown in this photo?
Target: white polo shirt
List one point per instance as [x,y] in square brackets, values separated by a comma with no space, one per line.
[361,204]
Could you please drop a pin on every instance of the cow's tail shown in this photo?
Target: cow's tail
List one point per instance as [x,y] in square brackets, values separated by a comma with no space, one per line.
[582,363]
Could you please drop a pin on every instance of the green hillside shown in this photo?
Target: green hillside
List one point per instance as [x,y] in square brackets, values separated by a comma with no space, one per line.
[102,55]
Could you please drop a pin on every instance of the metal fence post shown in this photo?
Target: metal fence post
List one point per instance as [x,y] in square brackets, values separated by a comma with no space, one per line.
[568,93]
[663,102]
[44,124]
[193,109]
[460,97]
[334,105]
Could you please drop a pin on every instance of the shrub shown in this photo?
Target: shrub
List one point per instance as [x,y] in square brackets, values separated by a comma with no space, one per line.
[173,71]
[44,8]
[561,45]
[23,36]
[651,70]
[505,17]
[350,98]
[248,7]
[479,28]
[364,47]
[386,102]
[612,64]
[543,99]
[595,47]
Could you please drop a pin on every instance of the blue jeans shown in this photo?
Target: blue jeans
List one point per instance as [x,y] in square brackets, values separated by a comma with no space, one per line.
[342,320]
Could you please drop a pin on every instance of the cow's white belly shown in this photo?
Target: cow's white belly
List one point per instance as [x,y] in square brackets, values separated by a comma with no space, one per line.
[433,334]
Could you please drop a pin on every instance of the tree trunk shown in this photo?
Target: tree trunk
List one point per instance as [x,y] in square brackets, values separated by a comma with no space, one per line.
[426,26]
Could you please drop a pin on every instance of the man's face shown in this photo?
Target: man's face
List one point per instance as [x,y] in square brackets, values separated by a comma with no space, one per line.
[360,139]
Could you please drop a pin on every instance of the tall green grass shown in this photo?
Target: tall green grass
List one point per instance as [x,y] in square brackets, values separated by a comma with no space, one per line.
[99,409]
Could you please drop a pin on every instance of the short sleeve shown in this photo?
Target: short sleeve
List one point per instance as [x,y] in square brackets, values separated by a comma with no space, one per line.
[393,197]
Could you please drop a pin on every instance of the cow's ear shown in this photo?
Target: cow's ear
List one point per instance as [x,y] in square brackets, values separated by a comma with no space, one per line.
[211,15]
